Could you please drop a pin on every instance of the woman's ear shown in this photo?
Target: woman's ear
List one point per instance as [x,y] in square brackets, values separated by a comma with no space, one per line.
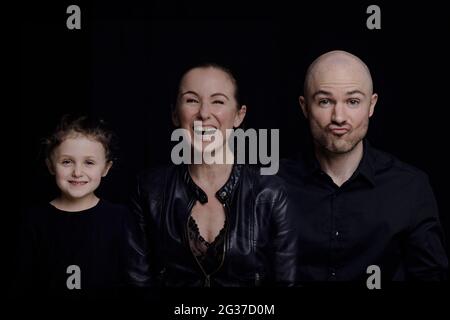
[50,167]
[175,120]
[240,116]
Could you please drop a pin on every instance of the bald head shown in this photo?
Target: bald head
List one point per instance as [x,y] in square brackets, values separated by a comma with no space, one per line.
[337,67]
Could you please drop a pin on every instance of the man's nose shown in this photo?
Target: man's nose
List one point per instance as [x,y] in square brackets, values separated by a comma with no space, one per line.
[339,114]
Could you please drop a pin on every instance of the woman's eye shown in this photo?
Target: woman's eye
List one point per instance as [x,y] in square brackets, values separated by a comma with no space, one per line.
[90,163]
[218,102]
[191,100]
[66,162]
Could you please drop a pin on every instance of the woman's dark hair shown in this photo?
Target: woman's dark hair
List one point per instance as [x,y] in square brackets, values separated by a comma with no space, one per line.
[205,65]
[91,127]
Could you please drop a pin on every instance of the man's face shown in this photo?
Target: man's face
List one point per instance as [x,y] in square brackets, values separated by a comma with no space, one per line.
[338,103]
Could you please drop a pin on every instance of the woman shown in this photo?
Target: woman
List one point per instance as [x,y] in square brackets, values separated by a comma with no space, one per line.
[219,224]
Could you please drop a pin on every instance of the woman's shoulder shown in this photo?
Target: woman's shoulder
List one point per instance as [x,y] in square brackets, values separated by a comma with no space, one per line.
[156,174]
[152,181]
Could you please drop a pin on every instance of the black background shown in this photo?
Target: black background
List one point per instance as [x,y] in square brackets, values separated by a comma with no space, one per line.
[122,64]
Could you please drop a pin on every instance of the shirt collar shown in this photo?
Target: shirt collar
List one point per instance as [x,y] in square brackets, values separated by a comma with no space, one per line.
[365,167]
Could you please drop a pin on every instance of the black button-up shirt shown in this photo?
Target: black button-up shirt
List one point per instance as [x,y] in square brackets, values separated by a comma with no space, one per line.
[384,215]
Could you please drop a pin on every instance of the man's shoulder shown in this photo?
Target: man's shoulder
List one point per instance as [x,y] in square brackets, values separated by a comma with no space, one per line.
[388,167]
[386,162]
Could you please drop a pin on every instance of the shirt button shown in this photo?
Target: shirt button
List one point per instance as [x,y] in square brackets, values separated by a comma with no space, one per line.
[223,194]
[337,233]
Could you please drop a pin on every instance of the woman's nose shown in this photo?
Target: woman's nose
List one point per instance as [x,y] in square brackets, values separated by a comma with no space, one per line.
[205,111]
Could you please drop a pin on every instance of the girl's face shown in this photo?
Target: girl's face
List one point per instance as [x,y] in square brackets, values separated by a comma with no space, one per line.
[79,164]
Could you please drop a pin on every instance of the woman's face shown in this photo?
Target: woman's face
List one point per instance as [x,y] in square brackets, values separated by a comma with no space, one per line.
[207,97]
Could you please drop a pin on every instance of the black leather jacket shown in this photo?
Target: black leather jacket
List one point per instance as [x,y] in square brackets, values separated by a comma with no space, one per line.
[259,247]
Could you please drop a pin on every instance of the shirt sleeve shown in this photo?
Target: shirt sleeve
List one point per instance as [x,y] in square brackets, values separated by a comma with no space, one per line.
[426,259]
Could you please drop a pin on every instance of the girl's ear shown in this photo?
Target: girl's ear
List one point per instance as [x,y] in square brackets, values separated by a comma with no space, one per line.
[50,167]
[107,167]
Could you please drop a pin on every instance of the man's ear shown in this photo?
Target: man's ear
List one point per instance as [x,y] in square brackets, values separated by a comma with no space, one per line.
[107,167]
[302,102]
[50,167]
[373,102]
[240,116]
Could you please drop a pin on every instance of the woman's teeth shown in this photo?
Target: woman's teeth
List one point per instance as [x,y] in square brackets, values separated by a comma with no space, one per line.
[204,130]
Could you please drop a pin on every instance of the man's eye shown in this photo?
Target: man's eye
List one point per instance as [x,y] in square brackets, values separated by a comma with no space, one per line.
[324,102]
[353,102]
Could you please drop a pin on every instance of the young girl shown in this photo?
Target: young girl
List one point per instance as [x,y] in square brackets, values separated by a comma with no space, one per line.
[75,243]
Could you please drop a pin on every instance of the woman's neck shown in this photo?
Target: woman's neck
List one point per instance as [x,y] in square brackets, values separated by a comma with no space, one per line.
[210,177]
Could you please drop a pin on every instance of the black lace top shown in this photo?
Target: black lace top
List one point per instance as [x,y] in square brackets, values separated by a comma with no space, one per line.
[209,255]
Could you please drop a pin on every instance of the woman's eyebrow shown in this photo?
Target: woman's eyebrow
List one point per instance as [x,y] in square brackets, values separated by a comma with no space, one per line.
[189,92]
[220,94]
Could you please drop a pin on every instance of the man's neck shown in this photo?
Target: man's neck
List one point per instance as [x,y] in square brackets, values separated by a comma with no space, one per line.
[340,167]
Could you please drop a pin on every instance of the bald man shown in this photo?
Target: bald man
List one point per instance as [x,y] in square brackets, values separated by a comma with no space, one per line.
[357,206]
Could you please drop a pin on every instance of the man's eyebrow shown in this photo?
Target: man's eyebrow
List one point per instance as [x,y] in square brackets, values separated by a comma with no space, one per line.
[220,94]
[356,91]
[326,93]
